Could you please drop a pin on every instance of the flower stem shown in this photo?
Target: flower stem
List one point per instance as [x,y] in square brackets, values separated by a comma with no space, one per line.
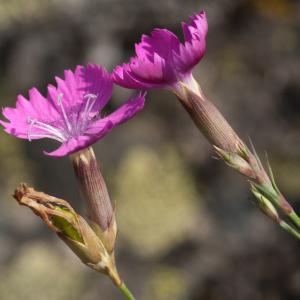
[126,292]
[295,218]
[234,152]
[290,229]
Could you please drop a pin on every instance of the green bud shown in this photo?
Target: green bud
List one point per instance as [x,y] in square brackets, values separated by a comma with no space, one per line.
[265,205]
[236,162]
[61,218]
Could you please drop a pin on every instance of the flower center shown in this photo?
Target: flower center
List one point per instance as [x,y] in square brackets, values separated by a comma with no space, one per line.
[85,116]
[70,129]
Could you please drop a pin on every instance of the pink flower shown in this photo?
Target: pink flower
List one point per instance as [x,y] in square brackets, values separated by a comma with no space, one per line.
[71,113]
[161,60]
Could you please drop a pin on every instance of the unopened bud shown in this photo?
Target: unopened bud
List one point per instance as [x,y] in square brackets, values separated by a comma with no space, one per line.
[61,218]
[236,162]
[265,205]
[95,194]
[243,151]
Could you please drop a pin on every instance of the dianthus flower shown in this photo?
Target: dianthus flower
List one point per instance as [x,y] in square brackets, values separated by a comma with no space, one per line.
[162,61]
[71,112]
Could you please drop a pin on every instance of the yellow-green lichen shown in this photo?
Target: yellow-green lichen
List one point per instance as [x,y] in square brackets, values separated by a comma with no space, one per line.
[156,200]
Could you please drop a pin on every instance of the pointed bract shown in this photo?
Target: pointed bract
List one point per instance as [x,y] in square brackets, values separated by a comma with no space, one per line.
[71,113]
[161,59]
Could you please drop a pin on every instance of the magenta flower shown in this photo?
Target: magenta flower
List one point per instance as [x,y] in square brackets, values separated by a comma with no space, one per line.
[161,61]
[71,113]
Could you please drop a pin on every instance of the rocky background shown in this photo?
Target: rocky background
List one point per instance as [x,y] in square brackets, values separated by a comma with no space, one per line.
[188,227]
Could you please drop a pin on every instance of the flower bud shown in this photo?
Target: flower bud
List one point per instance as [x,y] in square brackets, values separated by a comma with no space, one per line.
[265,205]
[236,162]
[61,218]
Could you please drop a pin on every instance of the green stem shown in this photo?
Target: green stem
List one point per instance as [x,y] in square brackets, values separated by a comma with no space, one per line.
[295,218]
[290,229]
[126,292]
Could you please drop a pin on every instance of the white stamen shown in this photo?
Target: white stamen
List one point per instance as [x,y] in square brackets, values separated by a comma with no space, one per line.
[46,136]
[54,133]
[67,122]
[91,99]
[30,122]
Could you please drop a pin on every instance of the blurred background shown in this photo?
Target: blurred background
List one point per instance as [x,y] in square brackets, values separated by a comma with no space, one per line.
[188,226]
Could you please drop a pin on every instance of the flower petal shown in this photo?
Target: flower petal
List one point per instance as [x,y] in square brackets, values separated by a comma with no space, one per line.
[189,55]
[197,27]
[44,110]
[161,42]
[38,108]
[161,60]
[70,146]
[193,49]
[125,77]
[92,79]
[81,142]
[121,115]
